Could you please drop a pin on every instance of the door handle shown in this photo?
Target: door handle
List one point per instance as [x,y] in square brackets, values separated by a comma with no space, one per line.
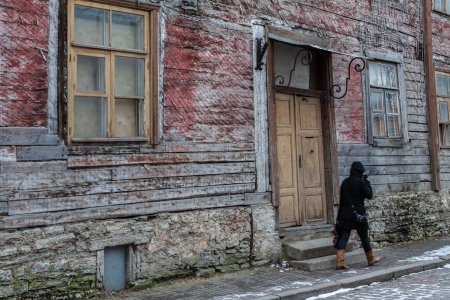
[300,162]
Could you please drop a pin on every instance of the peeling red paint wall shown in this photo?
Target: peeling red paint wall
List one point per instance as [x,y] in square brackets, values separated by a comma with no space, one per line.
[441,37]
[23,63]
[208,78]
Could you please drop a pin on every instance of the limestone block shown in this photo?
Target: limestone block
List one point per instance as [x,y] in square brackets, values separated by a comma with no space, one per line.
[5,275]
[55,242]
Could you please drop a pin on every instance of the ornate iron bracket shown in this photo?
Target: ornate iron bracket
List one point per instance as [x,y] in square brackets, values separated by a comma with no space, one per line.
[260,51]
[336,89]
[305,60]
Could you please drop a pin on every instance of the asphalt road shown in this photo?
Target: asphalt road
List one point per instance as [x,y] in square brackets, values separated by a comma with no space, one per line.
[432,284]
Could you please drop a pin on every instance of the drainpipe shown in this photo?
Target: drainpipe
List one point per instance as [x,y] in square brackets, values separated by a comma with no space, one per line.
[430,83]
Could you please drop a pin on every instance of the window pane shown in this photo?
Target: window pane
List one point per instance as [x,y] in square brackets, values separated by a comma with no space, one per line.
[90,117]
[90,74]
[378,125]
[443,111]
[375,74]
[445,134]
[439,4]
[442,83]
[91,26]
[389,76]
[127,31]
[376,101]
[447,7]
[392,102]
[129,76]
[393,126]
[129,121]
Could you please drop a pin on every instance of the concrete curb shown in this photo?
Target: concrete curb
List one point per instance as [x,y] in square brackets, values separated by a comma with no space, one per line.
[360,280]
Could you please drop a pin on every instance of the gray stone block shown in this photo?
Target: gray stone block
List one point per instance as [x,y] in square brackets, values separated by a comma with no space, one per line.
[309,249]
[365,279]
[304,293]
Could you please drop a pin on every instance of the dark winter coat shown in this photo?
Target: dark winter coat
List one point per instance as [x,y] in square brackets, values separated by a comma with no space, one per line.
[354,189]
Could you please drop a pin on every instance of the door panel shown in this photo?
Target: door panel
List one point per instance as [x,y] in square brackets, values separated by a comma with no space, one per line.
[311,162]
[287,170]
[300,160]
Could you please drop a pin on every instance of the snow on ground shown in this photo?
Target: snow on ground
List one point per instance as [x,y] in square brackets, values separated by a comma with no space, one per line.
[327,295]
[291,285]
[429,255]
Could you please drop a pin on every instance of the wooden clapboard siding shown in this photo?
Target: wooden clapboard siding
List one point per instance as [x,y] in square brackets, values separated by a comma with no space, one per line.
[157,158]
[162,148]
[101,182]
[386,160]
[420,119]
[445,167]
[99,187]
[128,210]
[32,167]
[106,199]
[148,171]
[364,149]
[52,179]
[391,169]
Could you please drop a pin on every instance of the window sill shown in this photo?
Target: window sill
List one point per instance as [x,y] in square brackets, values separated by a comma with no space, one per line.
[442,13]
[388,142]
[109,140]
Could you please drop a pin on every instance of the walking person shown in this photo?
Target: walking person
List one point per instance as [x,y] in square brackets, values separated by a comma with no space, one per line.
[352,214]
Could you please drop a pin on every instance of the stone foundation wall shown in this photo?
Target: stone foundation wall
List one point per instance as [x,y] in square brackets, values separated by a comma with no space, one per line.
[409,216]
[67,260]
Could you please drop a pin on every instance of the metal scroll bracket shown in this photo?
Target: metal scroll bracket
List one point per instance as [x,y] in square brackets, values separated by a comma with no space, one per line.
[261,48]
[336,89]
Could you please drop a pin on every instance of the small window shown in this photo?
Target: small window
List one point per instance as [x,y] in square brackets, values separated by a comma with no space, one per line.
[109,73]
[442,6]
[384,99]
[443,98]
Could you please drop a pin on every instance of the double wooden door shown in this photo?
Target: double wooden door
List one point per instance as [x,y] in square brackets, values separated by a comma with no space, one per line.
[300,160]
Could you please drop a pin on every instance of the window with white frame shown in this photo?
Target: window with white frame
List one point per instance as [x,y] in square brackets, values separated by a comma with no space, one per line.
[384,102]
[443,99]
[442,6]
[110,68]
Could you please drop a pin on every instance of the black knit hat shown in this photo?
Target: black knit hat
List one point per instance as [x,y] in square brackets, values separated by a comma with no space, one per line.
[357,168]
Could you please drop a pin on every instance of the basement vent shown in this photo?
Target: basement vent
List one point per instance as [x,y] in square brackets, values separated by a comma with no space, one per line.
[114,276]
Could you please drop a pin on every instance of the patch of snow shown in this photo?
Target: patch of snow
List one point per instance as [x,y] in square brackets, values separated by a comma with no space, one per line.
[327,295]
[447,266]
[429,255]
[291,285]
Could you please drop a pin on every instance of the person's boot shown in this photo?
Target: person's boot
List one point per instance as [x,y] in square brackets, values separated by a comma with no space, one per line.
[340,260]
[372,259]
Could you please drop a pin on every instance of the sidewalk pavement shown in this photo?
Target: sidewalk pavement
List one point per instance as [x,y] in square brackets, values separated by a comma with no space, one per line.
[271,283]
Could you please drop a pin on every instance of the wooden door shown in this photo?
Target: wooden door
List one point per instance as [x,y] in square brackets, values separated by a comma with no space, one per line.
[300,160]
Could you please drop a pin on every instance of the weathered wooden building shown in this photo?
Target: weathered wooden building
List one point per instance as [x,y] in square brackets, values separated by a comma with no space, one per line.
[172,138]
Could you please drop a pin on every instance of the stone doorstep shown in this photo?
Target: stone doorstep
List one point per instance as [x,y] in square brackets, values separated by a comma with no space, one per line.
[329,262]
[303,250]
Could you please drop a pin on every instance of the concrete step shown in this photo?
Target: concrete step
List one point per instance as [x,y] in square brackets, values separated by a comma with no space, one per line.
[304,233]
[302,250]
[329,262]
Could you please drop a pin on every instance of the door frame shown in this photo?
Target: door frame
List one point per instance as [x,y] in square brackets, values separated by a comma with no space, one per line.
[328,130]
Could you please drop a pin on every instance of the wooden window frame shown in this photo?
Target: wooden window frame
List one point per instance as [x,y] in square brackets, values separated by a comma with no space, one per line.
[446,9]
[444,127]
[149,54]
[392,59]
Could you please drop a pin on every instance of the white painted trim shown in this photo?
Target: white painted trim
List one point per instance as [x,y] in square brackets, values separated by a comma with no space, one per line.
[52,102]
[260,103]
